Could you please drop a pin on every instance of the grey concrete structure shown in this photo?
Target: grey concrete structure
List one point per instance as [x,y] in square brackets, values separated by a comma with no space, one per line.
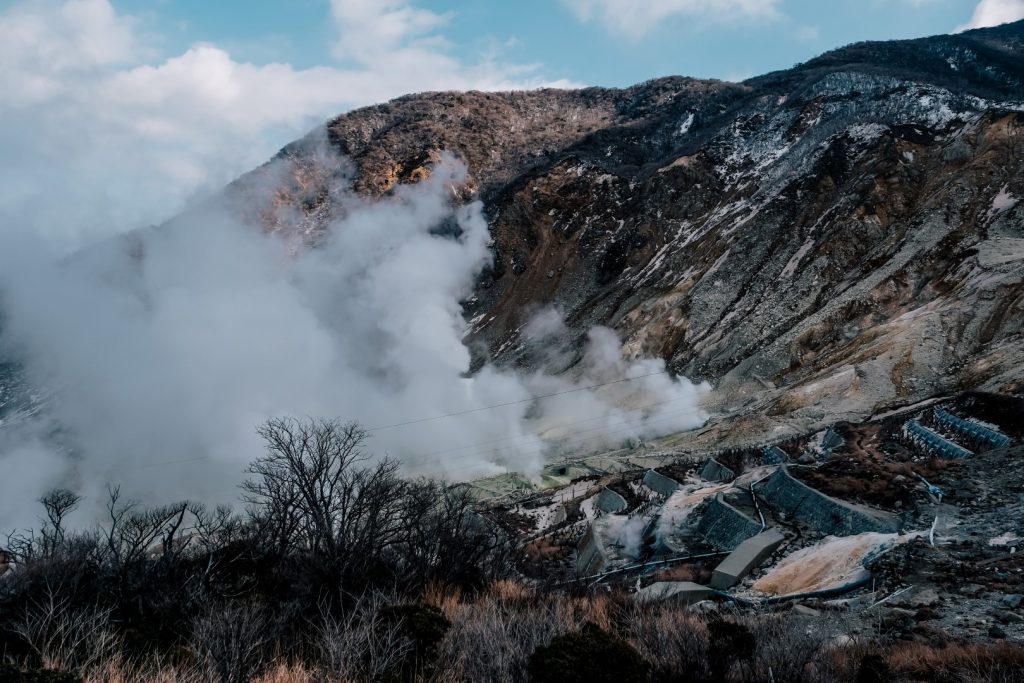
[610,502]
[832,440]
[747,555]
[659,483]
[933,442]
[683,592]
[723,526]
[716,471]
[971,432]
[773,455]
[559,515]
[820,512]
[591,556]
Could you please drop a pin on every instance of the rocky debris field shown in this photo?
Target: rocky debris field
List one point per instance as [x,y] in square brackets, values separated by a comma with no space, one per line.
[871,527]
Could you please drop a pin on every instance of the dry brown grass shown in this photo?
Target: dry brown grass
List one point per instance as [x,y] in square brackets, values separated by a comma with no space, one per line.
[493,634]
[118,671]
[684,572]
[444,597]
[960,662]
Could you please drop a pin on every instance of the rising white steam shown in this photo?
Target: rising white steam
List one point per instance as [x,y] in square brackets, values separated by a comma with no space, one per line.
[161,352]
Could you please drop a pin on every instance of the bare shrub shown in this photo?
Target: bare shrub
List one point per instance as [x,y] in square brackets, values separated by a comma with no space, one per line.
[361,645]
[233,642]
[673,640]
[793,648]
[66,637]
[492,638]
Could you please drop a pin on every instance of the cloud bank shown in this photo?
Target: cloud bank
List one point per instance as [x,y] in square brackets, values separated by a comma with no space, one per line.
[100,133]
[635,18]
[993,13]
[161,351]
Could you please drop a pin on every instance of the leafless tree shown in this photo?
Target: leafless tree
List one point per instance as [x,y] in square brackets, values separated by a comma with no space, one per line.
[311,488]
[57,503]
[134,533]
[317,492]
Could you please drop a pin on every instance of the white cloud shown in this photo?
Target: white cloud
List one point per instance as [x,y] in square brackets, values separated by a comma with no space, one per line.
[808,34]
[100,134]
[634,18]
[994,13]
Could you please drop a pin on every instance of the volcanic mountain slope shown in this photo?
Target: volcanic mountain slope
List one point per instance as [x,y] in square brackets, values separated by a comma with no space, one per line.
[821,243]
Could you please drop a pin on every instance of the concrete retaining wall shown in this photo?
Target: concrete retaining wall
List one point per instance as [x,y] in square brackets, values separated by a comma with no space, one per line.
[716,471]
[820,512]
[684,592]
[590,554]
[971,431]
[930,440]
[659,483]
[747,555]
[610,502]
[725,527]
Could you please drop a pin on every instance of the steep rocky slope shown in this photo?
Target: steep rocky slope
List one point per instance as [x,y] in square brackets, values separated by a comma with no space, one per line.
[823,242]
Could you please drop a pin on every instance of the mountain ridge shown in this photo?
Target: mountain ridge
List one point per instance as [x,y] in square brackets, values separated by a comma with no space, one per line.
[816,213]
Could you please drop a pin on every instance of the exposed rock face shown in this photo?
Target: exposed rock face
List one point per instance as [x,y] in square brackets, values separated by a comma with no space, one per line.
[821,243]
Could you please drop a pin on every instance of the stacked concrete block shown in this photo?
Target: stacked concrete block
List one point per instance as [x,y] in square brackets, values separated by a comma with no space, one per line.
[747,555]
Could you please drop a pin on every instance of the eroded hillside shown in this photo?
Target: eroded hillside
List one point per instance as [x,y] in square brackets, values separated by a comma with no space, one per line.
[820,243]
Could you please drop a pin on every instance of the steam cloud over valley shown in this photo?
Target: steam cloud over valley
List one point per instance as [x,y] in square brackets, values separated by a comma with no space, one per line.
[152,358]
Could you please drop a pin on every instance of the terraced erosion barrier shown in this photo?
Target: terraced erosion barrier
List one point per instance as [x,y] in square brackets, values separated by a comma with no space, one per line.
[971,431]
[610,502]
[821,512]
[659,483]
[930,440]
[716,471]
[725,527]
[747,555]
[590,554]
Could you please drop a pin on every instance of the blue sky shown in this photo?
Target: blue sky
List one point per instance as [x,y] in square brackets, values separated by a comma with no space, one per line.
[117,113]
[549,33]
